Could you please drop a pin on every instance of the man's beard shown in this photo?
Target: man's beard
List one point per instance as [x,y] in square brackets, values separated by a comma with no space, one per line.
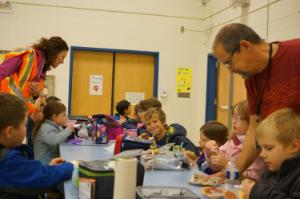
[244,75]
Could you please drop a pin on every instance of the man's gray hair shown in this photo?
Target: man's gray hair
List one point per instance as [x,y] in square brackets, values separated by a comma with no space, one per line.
[231,35]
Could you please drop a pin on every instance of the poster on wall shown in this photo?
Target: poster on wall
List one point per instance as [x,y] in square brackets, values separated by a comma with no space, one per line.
[134,97]
[183,81]
[96,84]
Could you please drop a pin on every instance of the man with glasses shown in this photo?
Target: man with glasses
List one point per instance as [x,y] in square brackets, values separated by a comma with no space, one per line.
[271,72]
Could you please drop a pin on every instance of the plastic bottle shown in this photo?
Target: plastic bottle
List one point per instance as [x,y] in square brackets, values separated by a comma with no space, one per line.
[232,176]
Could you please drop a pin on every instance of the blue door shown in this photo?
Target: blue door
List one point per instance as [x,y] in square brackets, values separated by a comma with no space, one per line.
[211,88]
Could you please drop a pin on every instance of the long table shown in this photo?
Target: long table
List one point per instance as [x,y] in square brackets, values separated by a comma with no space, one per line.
[152,178]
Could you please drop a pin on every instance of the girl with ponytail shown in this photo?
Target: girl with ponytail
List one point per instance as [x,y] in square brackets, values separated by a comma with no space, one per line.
[49,133]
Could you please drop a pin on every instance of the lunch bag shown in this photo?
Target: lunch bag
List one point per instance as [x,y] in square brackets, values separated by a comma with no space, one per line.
[105,128]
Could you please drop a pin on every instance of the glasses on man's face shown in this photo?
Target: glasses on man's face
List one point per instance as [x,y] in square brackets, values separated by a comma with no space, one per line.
[228,61]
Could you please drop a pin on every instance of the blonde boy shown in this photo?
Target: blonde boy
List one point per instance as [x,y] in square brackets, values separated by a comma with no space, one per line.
[155,120]
[279,137]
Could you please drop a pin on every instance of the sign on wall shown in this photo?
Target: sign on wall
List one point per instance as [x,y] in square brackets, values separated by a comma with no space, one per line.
[183,81]
[134,97]
[96,84]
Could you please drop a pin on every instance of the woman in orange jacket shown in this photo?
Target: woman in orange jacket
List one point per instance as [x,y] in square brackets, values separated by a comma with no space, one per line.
[23,71]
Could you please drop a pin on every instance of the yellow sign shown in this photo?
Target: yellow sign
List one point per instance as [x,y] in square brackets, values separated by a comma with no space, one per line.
[183,81]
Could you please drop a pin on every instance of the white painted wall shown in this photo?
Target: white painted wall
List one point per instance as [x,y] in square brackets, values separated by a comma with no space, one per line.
[145,25]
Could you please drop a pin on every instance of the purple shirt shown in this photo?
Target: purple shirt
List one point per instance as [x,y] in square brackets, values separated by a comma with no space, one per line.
[13,64]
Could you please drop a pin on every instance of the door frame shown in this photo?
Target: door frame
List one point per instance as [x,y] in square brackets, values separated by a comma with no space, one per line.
[114,51]
[211,88]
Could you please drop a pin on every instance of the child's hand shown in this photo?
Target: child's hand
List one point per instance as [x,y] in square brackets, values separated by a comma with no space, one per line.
[218,161]
[190,154]
[70,125]
[211,145]
[56,161]
[211,148]
[191,157]
[247,186]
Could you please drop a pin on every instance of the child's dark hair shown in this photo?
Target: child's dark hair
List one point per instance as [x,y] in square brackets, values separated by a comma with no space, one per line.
[122,106]
[50,48]
[215,130]
[52,108]
[148,103]
[52,98]
[12,111]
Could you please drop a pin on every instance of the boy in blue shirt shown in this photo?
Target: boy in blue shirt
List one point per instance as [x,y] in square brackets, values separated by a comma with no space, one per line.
[21,176]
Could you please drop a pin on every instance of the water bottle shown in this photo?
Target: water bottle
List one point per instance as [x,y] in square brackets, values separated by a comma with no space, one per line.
[232,176]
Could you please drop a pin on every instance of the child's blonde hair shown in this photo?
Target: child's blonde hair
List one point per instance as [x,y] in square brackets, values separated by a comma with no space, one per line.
[155,113]
[241,109]
[283,124]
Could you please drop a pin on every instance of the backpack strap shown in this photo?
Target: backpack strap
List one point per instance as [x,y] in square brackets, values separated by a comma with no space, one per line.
[3,153]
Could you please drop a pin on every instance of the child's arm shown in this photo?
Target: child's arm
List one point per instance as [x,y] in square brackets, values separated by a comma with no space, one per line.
[30,177]
[54,137]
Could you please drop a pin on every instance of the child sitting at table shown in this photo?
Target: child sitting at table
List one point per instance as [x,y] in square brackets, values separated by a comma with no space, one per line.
[49,132]
[212,130]
[279,138]
[144,105]
[123,111]
[21,176]
[232,148]
[155,121]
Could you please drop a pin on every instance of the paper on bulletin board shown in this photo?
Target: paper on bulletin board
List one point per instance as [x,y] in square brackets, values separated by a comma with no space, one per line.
[183,81]
[96,84]
[134,97]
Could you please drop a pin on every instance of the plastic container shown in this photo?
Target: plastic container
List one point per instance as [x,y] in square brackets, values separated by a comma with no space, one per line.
[153,192]
[232,176]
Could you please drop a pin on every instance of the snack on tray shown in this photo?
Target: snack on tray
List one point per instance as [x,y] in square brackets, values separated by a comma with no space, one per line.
[200,179]
[213,192]
[230,195]
[218,192]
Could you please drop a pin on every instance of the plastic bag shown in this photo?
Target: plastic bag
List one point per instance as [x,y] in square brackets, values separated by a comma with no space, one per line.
[167,161]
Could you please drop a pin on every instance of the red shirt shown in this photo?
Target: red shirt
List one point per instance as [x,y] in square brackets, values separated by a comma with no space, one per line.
[282,81]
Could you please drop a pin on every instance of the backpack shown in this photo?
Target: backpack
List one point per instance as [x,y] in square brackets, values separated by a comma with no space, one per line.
[105,128]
